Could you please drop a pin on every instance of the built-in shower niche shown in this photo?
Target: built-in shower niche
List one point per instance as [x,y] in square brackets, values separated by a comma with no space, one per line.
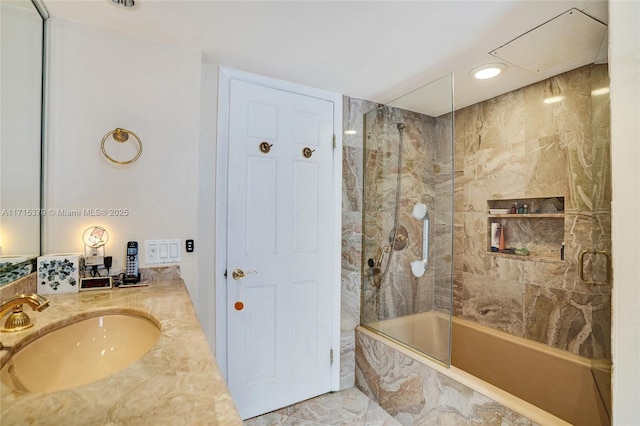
[540,231]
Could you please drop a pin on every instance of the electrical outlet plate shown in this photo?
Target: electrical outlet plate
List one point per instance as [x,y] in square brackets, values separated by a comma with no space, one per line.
[162,251]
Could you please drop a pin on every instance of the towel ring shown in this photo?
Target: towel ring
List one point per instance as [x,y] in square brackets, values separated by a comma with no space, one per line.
[121,136]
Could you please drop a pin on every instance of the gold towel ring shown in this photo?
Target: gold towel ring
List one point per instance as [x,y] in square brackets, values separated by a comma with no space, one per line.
[121,136]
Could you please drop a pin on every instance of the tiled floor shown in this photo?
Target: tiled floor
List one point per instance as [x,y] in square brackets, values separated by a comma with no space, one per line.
[345,408]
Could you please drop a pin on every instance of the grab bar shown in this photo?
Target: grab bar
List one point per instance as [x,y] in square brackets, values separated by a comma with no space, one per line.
[418,267]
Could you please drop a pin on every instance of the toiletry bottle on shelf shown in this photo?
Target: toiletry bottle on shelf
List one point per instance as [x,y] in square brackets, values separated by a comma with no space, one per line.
[514,208]
[495,236]
[525,209]
[501,245]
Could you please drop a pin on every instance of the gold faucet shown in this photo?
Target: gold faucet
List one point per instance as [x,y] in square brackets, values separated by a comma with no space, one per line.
[19,320]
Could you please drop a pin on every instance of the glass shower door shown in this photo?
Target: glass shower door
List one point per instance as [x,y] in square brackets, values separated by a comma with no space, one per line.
[408,219]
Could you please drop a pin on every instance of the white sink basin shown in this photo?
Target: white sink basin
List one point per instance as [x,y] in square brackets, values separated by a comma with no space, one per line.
[80,353]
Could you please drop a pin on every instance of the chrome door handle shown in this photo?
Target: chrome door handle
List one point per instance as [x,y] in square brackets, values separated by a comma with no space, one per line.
[239,274]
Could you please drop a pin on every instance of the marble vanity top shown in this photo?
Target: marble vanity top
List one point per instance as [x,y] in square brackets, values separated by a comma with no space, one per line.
[177,382]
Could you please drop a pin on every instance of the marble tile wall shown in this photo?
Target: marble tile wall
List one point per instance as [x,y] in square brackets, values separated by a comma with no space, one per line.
[510,147]
[427,156]
[515,146]
[400,293]
[352,164]
[415,394]
[443,209]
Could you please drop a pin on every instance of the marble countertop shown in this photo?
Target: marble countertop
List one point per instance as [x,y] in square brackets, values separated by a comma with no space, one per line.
[177,382]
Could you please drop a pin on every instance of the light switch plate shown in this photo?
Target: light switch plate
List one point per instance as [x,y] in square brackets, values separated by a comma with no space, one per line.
[162,251]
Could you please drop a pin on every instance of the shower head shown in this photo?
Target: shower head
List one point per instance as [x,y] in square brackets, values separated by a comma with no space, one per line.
[401,127]
[418,268]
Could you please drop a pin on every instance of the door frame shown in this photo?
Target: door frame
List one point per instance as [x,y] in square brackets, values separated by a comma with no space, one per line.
[222,153]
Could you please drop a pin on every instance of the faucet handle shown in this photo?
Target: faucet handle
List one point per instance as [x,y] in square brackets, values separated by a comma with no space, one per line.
[18,320]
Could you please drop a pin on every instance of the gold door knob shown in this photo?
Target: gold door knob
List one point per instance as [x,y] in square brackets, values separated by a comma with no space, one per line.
[239,274]
[308,152]
[265,147]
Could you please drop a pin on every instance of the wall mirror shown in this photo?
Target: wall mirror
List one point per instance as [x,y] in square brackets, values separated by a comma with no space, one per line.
[21,83]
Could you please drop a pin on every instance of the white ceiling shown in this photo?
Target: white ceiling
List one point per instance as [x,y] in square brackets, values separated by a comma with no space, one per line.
[370,50]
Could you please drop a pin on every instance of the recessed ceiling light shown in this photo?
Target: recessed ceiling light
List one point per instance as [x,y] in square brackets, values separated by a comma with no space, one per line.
[553,99]
[486,71]
[350,132]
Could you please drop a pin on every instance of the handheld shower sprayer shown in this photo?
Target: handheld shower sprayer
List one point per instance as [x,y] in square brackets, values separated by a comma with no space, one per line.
[420,212]
[375,266]
[399,238]
[418,267]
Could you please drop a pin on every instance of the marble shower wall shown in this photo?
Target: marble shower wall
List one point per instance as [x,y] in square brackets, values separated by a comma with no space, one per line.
[426,177]
[400,293]
[515,146]
[512,146]
[443,209]
[352,160]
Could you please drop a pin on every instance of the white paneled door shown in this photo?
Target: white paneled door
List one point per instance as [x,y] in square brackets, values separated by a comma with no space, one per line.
[279,247]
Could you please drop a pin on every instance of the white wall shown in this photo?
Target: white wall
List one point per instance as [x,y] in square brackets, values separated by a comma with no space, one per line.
[206,200]
[624,59]
[100,80]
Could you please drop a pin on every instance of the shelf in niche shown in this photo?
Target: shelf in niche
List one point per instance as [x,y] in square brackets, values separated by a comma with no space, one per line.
[529,215]
[537,206]
[525,258]
[539,232]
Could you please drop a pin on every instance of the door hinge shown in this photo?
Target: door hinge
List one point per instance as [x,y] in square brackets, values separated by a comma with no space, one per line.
[331,356]
[334,141]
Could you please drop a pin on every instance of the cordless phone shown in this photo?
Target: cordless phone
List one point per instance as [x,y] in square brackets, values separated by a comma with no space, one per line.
[131,274]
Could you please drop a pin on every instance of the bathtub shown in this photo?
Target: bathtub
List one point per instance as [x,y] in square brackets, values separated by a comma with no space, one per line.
[529,379]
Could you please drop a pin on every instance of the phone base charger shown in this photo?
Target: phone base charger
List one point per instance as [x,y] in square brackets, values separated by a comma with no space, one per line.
[138,284]
[132,281]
